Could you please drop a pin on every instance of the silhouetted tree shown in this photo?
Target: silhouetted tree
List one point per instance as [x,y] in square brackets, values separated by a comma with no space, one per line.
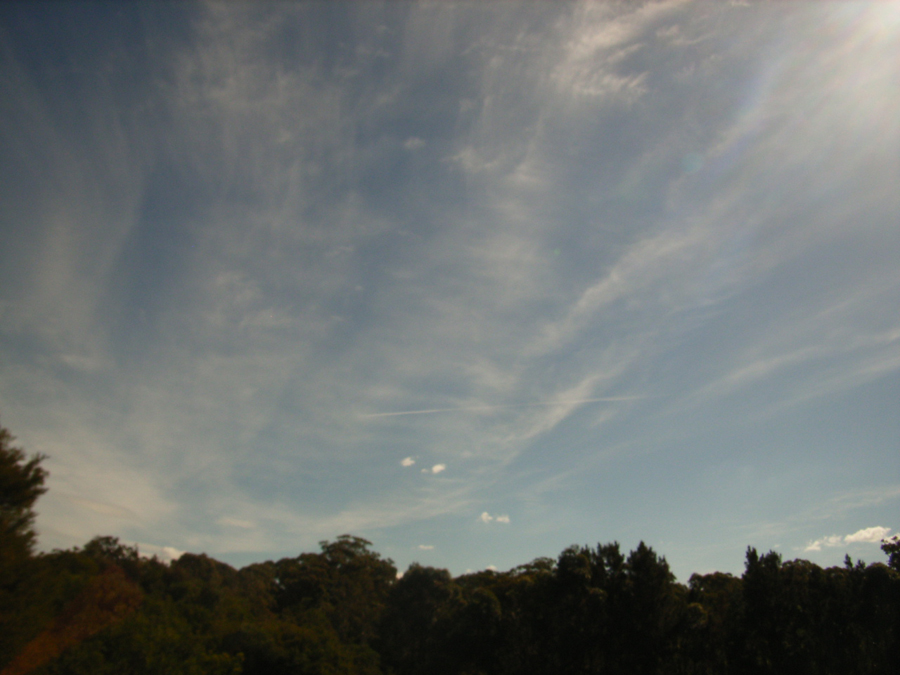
[413,628]
[891,548]
[21,483]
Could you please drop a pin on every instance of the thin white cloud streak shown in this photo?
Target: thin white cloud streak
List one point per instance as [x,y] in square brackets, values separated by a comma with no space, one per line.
[836,337]
[843,504]
[663,258]
[228,521]
[542,423]
[80,197]
[488,408]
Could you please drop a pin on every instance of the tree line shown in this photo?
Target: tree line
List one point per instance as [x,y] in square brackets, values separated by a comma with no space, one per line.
[103,608]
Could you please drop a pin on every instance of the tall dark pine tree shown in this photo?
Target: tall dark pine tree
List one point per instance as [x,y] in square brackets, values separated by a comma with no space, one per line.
[21,483]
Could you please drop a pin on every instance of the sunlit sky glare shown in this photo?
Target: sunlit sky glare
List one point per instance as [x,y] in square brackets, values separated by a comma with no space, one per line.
[474,281]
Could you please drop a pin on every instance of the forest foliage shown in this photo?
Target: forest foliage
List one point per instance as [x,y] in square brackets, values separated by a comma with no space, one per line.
[104,608]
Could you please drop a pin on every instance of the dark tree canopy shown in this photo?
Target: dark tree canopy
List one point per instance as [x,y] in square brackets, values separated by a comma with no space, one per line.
[593,610]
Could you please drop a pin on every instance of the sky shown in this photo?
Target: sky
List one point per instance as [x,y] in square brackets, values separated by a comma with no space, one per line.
[474,281]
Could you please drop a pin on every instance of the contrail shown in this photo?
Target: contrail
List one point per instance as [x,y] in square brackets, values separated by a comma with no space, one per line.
[431,411]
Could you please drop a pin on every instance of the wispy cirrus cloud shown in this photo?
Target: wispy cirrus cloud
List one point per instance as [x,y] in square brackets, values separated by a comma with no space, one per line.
[488,408]
[538,242]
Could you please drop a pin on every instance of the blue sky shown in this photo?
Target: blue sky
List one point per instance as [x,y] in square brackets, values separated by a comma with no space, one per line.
[473,281]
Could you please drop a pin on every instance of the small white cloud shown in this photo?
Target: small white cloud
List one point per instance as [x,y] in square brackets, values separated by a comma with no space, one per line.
[869,535]
[413,143]
[831,542]
[437,468]
[165,553]
[409,461]
[426,547]
[487,518]
[866,535]
[492,568]
[172,553]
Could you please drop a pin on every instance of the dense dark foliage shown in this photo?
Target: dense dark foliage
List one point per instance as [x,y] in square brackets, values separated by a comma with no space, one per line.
[104,609]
